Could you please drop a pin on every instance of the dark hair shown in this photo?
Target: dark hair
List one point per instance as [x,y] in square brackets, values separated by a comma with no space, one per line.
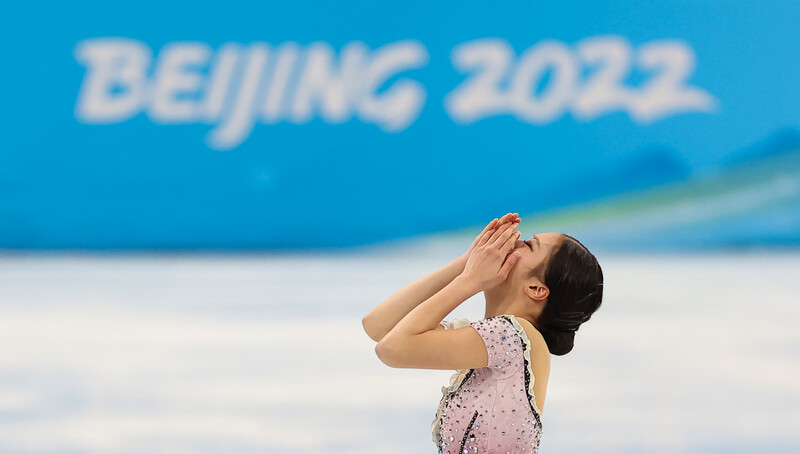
[575,280]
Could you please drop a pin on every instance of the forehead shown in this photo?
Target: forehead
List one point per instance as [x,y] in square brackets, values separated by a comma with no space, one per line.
[549,238]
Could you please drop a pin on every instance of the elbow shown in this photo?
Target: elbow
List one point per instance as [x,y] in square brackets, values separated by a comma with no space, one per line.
[369,329]
[385,353]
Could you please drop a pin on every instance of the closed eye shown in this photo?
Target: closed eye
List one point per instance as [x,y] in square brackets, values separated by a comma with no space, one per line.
[529,244]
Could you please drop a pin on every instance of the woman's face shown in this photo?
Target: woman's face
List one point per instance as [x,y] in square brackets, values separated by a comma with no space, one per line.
[519,286]
[534,252]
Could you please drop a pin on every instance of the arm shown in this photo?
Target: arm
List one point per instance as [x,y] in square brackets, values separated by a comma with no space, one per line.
[383,318]
[415,342]
[416,333]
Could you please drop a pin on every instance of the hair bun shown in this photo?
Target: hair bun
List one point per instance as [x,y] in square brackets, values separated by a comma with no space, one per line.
[568,320]
[575,280]
[559,341]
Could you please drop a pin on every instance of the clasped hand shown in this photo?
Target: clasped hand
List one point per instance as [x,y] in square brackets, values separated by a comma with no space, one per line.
[488,259]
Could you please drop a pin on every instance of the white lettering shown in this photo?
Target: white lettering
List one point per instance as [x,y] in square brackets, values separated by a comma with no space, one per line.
[551,103]
[480,96]
[235,86]
[331,90]
[173,78]
[396,108]
[239,120]
[113,89]
[604,90]
[275,103]
[666,92]
[219,82]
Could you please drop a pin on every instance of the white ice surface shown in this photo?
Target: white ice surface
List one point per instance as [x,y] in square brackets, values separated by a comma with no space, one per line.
[266,353]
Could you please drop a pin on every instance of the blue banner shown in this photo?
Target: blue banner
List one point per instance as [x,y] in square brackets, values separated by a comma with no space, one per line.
[316,125]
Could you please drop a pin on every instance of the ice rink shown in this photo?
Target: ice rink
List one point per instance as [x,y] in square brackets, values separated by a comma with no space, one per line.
[266,354]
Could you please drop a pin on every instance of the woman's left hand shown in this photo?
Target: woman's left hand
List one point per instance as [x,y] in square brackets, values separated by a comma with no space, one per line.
[489,261]
[493,224]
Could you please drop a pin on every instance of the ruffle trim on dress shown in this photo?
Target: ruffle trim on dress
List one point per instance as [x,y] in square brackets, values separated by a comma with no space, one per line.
[455,382]
[455,324]
[530,379]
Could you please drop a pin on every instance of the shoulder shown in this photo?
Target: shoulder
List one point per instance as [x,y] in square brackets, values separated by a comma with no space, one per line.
[540,361]
[533,334]
[538,345]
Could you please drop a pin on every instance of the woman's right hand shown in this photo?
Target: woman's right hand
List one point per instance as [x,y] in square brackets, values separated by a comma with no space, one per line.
[493,224]
[489,264]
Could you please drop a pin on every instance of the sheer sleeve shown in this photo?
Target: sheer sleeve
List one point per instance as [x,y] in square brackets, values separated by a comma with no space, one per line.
[455,324]
[502,343]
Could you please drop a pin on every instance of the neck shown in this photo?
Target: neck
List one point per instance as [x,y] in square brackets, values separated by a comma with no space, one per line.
[499,304]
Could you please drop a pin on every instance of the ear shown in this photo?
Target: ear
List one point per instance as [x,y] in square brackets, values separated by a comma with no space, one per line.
[537,292]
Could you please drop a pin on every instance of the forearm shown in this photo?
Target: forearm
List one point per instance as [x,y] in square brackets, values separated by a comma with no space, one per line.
[383,318]
[430,312]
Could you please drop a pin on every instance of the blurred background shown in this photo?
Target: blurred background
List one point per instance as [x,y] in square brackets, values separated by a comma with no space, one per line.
[199,201]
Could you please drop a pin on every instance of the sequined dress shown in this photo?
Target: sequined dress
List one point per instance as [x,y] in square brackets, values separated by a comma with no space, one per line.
[491,409]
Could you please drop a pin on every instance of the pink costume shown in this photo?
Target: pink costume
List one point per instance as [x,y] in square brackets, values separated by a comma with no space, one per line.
[491,410]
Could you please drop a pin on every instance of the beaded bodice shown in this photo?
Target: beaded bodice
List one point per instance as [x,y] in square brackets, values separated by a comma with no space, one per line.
[491,409]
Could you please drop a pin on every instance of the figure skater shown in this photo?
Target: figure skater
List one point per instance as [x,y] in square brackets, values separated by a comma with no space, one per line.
[538,292]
